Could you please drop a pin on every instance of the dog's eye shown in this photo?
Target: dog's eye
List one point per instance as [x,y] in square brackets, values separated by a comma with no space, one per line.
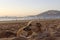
[27,29]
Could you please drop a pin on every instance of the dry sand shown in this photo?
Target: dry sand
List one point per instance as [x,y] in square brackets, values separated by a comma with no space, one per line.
[53,26]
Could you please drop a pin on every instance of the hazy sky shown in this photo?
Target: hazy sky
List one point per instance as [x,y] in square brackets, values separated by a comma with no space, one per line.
[27,7]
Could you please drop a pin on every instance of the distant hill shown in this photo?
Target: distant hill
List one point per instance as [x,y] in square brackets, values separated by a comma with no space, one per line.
[50,14]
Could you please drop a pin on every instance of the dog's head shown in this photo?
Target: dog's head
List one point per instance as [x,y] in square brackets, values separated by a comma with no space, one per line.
[33,26]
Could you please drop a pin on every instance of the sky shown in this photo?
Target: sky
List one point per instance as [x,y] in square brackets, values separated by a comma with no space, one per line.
[27,7]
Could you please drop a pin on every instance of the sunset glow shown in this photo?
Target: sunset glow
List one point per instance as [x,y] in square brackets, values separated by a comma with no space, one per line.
[27,7]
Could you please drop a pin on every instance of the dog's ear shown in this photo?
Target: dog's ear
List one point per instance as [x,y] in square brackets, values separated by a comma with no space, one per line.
[30,24]
[38,25]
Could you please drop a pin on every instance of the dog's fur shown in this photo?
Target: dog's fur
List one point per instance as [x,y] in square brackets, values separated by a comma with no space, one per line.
[28,30]
[24,30]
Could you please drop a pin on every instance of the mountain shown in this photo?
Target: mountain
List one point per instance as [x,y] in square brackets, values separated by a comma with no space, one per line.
[50,14]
